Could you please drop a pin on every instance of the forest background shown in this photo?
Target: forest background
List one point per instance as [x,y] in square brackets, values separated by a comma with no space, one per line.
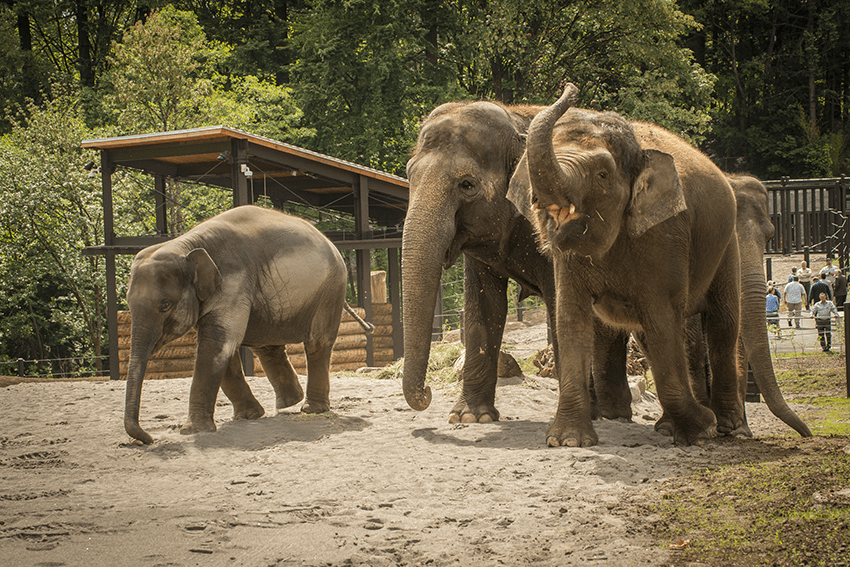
[761,86]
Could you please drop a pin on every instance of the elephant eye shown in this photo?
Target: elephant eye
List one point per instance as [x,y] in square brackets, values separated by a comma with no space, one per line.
[164,305]
[603,175]
[468,188]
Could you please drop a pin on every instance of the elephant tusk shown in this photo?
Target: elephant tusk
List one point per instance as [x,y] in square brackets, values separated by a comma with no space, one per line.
[562,215]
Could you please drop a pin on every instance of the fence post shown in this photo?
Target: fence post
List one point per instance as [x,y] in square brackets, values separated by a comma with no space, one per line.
[21,367]
[768,268]
[846,345]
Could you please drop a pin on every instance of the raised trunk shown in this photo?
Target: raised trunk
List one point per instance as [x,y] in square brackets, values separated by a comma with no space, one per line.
[142,343]
[543,168]
[756,344]
[428,232]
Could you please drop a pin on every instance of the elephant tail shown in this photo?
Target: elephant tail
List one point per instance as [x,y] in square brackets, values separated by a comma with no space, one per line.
[368,327]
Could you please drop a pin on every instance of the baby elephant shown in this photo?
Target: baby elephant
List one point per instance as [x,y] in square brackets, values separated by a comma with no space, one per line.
[249,276]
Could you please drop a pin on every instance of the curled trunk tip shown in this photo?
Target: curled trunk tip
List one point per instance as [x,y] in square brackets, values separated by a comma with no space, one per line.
[418,398]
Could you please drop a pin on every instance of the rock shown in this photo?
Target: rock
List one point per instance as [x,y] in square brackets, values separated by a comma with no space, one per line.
[508,366]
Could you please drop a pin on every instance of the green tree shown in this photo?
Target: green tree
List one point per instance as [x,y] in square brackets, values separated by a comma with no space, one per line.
[367,71]
[50,208]
[783,84]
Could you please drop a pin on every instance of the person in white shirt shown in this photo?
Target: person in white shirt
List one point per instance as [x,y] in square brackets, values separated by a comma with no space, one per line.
[795,297]
[805,273]
[822,312]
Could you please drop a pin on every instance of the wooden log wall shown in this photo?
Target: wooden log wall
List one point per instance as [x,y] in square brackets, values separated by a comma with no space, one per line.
[177,358]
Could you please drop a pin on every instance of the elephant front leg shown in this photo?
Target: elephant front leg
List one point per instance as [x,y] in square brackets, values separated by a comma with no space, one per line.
[318,377]
[691,422]
[485,308]
[235,387]
[211,365]
[572,426]
[281,375]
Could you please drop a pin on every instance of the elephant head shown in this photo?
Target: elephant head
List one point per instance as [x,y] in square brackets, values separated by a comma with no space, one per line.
[599,183]
[164,294]
[754,230]
[458,174]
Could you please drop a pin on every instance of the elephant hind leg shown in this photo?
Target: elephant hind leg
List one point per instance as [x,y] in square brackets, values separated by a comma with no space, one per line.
[318,376]
[281,374]
[235,387]
[722,320]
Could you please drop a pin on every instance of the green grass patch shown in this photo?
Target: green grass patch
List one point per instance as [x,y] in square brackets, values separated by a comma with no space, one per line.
[780,502]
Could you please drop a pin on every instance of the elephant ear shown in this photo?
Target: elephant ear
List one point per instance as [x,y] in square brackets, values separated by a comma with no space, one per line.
[519,190]
[207,278]
[656,195]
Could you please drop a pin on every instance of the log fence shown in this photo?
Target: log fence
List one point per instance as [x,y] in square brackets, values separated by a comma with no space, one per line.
[177,358]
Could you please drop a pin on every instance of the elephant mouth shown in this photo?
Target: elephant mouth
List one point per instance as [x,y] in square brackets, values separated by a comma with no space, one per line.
[562,215]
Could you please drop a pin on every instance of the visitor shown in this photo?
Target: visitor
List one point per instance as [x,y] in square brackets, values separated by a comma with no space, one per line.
[805,274]
[818,287]
[827,273]
[822,312]
[793,274]
[839,289]
[795,297]
[772,310]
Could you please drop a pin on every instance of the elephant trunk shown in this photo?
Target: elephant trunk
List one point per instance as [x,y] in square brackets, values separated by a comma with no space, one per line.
[756,344]
[142,343]
[544,171]
[429,229]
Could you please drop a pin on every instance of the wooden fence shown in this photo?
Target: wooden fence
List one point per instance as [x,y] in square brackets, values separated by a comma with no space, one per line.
[177,358]
[809,215]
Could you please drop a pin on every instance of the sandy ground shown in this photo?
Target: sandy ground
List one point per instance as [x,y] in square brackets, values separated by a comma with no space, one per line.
[372,483]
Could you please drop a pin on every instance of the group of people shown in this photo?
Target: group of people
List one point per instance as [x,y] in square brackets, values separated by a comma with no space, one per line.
[813,291]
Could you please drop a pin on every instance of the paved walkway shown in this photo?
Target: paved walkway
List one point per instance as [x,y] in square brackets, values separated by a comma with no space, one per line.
[805,339]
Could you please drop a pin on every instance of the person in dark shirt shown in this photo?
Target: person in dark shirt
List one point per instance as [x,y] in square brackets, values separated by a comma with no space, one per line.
[818,287]
[839,288]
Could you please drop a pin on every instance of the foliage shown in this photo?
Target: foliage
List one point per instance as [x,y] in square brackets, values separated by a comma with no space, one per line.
[52,296]
[781,97]
[159,78]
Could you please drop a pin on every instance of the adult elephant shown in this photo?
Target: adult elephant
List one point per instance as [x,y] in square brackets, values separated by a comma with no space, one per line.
[616,202]
[459,174]
[249,276]
[754,229]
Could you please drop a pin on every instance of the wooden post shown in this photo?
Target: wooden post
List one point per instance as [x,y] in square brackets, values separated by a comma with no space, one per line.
[106,169]
[846,345]
[364,257]
[768,268]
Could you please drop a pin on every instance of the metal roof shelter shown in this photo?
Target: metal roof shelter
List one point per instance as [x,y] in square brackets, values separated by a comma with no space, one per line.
[253,166]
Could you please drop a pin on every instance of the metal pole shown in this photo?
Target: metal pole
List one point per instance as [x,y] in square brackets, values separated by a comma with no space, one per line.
[768,268]
[846,345]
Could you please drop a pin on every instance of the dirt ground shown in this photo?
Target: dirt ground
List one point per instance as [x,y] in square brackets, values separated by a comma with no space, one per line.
[371,483]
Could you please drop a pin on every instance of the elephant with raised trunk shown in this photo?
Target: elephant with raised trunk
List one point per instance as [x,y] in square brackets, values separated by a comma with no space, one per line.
[616,201]
[249,276]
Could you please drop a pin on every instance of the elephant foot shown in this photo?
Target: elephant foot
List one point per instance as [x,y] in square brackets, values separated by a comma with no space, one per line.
[288,399]
[665,425]
[311,406]
[621,411]
[564,433]
[251,410]
[197,425]
[463,413]
[733,425]
[698,430]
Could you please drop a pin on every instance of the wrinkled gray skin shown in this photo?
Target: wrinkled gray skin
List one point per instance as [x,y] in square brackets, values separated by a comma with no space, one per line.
[754,229]
[638,224]
[249,276]
[459,174]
